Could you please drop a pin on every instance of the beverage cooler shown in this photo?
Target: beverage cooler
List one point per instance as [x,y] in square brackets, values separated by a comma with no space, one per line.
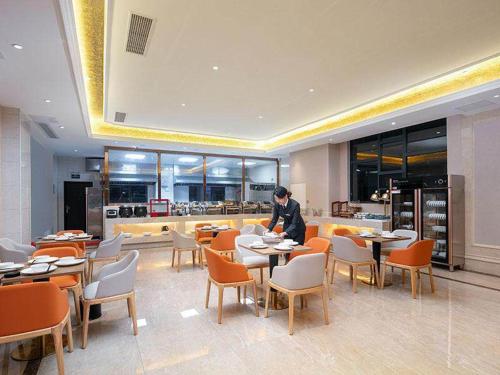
[434,208]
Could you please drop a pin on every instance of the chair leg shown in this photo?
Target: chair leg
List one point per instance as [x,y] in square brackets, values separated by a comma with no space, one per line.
[291,298]
[350,272]
[129,308]
[58,346]
[77,292]
[85,326]
[238,294]
[418,274]
[207,297]
[377,275]
[355,279]
[403,277]
[219,305]
[413,279]
[91,271]
[254,285]
[69,335]
[261,275]
[333,271]
[245,294]
[382,275]
[371,274]
[200,257]
[431,279]
[133,313]
[325,305]
[178,260]
[301,301]
[268,294]
[193,257]
[173,257]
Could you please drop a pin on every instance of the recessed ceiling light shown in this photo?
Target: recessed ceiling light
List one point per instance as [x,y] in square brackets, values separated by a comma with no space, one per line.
[17,46]
[215,67]
[75,150]
[183,104]
[496,96]
[47,101]
[330,140]
[393,123]
[188,159]
[61,127]
[260,117]
[438,132]
[311,90]
[115,142]
[135,156]
[285,165]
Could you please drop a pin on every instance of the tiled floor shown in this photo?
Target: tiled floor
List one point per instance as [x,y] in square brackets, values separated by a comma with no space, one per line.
[456,330]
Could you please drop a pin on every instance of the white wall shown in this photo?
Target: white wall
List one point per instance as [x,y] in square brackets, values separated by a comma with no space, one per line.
[43,196]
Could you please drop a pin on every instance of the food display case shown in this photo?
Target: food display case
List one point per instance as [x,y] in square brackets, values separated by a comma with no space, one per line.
[159,207]
[232,208]
[249,207]
[266,207]
[214,208]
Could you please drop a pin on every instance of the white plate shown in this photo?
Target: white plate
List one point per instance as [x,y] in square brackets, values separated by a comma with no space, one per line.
[50,237]
[6,264]
[292,243]
[367,235]
[44,260]
[62,238]
[283,248]
[30,271]
[263,246]
[69,262]
[390,237]
[13,267]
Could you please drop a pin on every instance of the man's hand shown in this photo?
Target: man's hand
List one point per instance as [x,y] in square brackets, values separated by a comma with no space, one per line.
[283,234]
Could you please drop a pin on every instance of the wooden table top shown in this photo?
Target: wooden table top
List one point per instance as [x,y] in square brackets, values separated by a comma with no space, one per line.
[83,239]
[60,271]
[270,250]
[214,230]
[378,238]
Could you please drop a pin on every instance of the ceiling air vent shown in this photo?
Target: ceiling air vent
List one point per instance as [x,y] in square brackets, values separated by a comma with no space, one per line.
[473,107]
[47,130]
[138,33]
[120,116]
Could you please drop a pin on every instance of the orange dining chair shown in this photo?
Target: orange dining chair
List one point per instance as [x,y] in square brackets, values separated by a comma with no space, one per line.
[202,238]
[225,274]
[80,244]
[71,283]
[312,230]
[346,232]
[224,242]
[33,310]
[318,245]
[52,245]
[277,228]
[414,258]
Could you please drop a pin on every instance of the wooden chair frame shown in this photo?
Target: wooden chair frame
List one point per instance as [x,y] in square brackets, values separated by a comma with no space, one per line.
[354,271]
[237,285]
[414,273]
[91,262]
[322,290]
[130,297]
[193,250]
[56,332]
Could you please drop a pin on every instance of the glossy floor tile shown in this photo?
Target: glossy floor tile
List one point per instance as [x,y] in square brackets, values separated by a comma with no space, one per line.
[454,331]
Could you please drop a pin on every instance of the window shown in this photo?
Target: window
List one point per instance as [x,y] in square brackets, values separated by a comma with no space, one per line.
[132,176]
[260,179]
[224,177]
[415,151]
[182,177]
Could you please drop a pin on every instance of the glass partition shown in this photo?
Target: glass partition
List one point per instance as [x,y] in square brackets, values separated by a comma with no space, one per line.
[224,179]
[133,176]
[182,177]
[260,179]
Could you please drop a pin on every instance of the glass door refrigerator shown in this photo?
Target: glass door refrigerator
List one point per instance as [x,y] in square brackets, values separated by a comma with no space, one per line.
[443,219]
[404,204]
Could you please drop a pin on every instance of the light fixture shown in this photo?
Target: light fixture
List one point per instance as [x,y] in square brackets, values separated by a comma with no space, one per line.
[393,123]
[61,127]
[375,196]
[75,150]
[188,159]
[47,101]
[496,96]
[215,67]
[260,117]
[285,165]
[385,197]
[438,132]
[17,46]
[135,156]
[311,90]
[247,163]
[330,140]
[183,104]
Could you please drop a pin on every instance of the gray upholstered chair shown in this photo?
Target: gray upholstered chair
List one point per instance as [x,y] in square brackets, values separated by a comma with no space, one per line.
[260,229]
[113,282]
[182,242]
[346,251]
[247,229]
[107,251]
[250,258]
[302,275]
[11,251]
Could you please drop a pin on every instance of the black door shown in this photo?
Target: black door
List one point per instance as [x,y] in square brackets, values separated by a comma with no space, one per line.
[74,205]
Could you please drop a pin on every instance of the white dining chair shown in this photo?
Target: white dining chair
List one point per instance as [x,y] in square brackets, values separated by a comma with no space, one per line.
[11,251]
[346,251]
[302,275]
[250,258]
[113,282]
[248,229]
[107,251]
[387,247]
[181,243]
[260,229]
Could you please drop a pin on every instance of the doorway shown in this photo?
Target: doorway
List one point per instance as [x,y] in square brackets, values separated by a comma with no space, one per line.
[75,215]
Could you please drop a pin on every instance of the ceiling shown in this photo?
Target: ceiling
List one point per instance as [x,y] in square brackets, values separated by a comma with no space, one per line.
[269,53]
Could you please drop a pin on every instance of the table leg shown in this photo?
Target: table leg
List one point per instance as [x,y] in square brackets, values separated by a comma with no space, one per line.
[376,251]
[36,348]
[277,302]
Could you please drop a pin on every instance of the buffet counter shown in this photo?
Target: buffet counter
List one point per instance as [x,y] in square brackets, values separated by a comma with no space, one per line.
[143,232]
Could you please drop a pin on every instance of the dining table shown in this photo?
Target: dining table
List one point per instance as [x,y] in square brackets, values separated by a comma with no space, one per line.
[215,231]
[377,241]
[45,240]
[277,303]
[41,346]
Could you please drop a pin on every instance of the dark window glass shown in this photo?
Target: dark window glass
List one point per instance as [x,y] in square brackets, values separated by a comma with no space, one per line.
[364,181]
[365,149]
[392,156]
[384,180]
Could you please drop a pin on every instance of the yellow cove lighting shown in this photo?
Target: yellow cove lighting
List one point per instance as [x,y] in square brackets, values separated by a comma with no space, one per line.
[90,26]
